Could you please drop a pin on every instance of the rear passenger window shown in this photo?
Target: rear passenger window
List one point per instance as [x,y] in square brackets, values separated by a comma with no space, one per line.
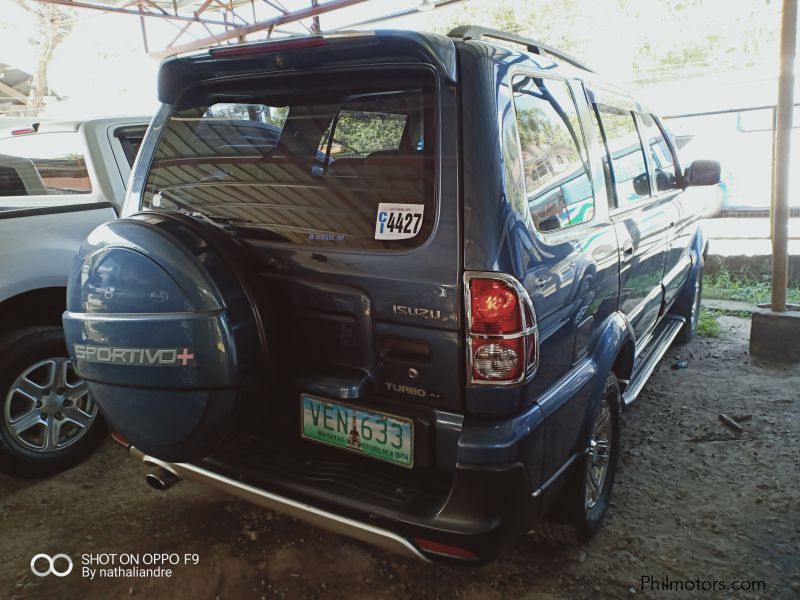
[557,183]
[40,164]
[660,154]
[628,167]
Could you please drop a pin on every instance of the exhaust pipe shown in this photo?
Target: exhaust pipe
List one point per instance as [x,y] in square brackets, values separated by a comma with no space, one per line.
[161,479]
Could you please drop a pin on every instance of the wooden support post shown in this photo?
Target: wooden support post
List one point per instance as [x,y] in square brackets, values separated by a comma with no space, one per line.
[780,196]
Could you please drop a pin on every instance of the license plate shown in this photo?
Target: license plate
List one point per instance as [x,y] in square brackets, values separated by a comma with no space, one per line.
[373,434]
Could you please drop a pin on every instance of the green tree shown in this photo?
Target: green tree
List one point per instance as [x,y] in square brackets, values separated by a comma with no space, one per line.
[634,41]
[364,133]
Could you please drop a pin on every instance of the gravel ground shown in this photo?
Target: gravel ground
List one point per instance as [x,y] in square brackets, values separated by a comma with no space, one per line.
[693,500]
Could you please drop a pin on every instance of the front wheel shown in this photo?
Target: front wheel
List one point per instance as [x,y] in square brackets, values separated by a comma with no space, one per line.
[48,420]
[688,307]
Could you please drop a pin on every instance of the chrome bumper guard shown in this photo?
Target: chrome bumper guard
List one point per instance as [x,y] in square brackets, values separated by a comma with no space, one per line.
[320,518]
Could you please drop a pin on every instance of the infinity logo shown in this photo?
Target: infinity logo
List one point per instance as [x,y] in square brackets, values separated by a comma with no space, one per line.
[51,560]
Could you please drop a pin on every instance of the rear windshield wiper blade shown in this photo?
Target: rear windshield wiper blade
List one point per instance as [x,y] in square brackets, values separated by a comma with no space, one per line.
[216,219]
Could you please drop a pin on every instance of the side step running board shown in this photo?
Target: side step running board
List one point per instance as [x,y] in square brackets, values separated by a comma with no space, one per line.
[659,347]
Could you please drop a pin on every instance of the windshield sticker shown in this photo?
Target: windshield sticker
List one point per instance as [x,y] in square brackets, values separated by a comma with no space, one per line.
[398,221]
[326,237]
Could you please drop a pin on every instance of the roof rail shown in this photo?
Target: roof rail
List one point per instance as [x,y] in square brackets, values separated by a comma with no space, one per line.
[475,32]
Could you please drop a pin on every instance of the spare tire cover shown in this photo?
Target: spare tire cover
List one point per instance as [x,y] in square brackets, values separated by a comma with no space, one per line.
[165,333]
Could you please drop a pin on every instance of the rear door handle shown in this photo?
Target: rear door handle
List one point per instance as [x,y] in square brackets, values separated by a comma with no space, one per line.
[627,250]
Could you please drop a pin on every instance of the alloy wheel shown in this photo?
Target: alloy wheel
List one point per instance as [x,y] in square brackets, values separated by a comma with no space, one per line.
[599,454]
[48,407]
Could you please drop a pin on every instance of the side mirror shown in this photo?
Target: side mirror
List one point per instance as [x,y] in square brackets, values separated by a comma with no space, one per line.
[703,172]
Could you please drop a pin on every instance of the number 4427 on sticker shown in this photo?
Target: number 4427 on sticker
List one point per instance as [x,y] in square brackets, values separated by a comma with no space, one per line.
[398,221]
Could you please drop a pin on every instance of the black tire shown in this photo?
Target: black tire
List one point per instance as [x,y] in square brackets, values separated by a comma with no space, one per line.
[688,307]
[20,350]
[574,520]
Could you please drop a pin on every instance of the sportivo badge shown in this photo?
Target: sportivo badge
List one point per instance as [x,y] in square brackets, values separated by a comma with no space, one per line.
[138,357]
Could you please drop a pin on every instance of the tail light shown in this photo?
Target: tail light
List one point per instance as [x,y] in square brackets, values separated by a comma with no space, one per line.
[502,335]
[22,129]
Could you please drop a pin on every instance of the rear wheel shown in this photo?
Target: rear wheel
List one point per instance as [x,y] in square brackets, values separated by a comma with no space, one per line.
[601,461]
[48,419]
[579,513]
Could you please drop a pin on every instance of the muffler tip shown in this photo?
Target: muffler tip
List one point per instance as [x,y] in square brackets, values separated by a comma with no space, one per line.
[161,479]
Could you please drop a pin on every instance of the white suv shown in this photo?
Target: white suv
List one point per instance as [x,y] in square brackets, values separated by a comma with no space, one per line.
[58,181]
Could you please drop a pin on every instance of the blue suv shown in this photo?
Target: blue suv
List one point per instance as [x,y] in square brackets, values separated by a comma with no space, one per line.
[398,285]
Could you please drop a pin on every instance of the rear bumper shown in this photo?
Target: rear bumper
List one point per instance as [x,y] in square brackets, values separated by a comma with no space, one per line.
[486,510]
[299,510]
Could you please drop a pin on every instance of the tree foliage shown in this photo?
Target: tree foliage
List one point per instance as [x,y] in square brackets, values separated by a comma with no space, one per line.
[634,41]
[362,133]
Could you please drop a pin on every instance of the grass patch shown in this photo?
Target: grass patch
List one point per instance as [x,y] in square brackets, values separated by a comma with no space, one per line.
[707,325]
[743,287]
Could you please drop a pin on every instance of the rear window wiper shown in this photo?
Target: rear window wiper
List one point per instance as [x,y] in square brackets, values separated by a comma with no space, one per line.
[216,219]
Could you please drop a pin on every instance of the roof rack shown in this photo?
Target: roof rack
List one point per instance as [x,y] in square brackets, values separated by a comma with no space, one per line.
[475,32]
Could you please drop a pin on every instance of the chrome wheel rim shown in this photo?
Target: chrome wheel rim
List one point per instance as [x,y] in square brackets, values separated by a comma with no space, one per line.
[599,455]
[48,407]
[695,305]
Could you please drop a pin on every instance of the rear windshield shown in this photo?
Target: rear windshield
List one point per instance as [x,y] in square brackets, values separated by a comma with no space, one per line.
[42,164]
[335,160]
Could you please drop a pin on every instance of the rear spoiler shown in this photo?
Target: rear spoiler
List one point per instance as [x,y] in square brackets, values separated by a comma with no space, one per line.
[307,52]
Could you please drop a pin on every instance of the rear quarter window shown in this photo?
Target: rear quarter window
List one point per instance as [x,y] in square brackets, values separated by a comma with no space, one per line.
[43,163]
[555,162]
[334,160]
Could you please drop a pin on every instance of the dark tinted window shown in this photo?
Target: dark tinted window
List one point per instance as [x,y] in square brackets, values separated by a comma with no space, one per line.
[660,154]
[628,167]
[44,163]
[554,158]
[11,183]
[341,160]
[130,138]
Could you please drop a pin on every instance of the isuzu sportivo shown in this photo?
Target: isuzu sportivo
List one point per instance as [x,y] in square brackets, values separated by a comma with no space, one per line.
[397,285]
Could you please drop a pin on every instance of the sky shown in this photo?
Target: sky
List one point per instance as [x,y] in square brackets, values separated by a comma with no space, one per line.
[102,67]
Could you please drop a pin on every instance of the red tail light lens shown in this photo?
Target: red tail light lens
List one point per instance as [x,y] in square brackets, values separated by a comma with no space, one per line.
[495,307]
[503,342]
[22,129]
[445,549]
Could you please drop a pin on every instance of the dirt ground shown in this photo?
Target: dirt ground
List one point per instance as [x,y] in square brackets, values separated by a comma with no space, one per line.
[693,500]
